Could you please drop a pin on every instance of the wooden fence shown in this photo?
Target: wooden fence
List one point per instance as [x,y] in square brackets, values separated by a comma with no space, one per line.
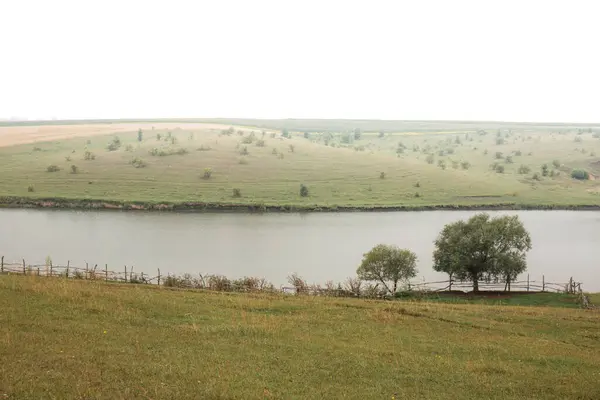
[213,282]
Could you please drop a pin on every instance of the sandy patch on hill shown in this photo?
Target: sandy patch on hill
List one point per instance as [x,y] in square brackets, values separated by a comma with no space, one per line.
[13,135]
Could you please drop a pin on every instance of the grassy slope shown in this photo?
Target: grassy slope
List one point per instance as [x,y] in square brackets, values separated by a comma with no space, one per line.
[74,339]
[335,176]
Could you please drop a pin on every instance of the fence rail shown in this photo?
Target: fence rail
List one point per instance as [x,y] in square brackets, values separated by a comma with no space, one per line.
[129,275]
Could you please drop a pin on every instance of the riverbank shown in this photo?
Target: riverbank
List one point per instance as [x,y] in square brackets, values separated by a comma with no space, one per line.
[73,339]
[97,204]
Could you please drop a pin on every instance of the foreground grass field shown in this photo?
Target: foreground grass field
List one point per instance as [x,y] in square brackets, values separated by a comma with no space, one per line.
[428,166]
[74,339]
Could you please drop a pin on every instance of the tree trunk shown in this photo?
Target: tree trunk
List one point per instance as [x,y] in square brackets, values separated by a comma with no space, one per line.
[475,284]
[395,287]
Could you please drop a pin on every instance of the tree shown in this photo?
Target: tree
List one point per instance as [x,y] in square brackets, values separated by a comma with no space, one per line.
[545,170]
[140,135]
[357,133]
[303,190]
[482,248]
[285,133]
[388,265]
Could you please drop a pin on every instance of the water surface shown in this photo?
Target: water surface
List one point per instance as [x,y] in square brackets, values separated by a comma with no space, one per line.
[318,246]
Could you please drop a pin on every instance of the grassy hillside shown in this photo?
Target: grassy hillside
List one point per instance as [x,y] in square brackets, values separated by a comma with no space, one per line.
[460,167]
[76,339]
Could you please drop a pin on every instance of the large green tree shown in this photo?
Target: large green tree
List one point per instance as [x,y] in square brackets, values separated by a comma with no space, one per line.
[482,248]
[388,265]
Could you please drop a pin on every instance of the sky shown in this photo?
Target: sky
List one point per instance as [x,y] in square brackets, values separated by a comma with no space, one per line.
[503,60]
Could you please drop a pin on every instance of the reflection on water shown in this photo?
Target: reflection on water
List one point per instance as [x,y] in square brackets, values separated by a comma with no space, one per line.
[318,246]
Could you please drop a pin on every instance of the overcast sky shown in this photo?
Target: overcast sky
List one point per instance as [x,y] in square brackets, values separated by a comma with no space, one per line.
[481,60]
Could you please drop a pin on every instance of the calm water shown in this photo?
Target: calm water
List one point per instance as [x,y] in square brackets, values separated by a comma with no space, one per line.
[319,247]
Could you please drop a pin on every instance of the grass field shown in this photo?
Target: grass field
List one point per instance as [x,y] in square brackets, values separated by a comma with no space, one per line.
[75,339]
[451,164]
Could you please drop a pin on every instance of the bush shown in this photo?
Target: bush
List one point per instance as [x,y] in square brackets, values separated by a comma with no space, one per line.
[500,141]
[382,175]
[138,163]
[158,136]
[455,164]
[68,158]
[37,149]
[89,156]
[244,151]
[285,133]
[524,169]
[580,174]
[536,177]
[442,164]
[292,148]
[129,147]
[545,170]
[450,151]
[204,148]
[556,163]
[306,135]
[207,173]
[30,188]
[499,169]
[498,155]
[74,169]
[237,193]
[281,156]
[303,190]
[248,139]
[260,143]
[518,153]
[52,168]
[418,184]
[381,134]
[578,139]
[167,152]
[508,160]
[430,159]
[243,161]
[465,165]
[115,144]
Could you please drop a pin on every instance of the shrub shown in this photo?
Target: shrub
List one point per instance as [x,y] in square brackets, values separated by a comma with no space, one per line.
[499,169]
[303,190]
[272,135]
[441,153]
[545,170]
[450,151]
[455,164]
[138,163]
[285,133]
[281,156]
[204,147]
[129,147]
[243,161]
[167,152]
[578,139]
[498,155]
[485,152]
[430,159]
[536,177]
[140,136]
[207,173]
[248,140]
[74,169]
[260,143]
[580,174]
[173,140]
[508,160]
[52,168]
[274,151]
[524,169]
[556,163]
[237,192]
[465,165]
[244,151]
[292,148]
[158,136]
[68,159]
[115,144]
[417,194]
[37,149]
[518,153]
[89,156]
[418,184]
[500,141]
[241,133]
[382,175]
[381,134]
[30,188]
[442,164]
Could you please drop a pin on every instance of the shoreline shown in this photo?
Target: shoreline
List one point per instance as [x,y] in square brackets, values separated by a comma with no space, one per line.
[95,204]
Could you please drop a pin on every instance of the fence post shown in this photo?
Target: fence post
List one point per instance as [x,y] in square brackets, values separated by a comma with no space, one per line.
[106,272]
[159,277]
[2,265]
[131,273]
[543,283]
[86,270]
[528,282]
[24,272]
[38,271]
[50,267]
[68,264]
[142,277]
[126,274]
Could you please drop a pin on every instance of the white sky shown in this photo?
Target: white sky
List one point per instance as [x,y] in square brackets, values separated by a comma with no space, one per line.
[485,60]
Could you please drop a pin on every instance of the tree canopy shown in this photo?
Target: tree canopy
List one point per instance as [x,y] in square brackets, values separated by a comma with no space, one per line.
[482,248]
[388,265]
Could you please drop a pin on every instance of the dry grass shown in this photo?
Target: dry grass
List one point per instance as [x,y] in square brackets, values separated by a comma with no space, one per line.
[74,339]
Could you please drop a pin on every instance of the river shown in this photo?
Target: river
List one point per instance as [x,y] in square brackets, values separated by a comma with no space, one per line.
[318,246]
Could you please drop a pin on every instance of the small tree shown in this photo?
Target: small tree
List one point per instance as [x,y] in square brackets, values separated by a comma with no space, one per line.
[580,174]
[382,175]
[524,169]
[285,133]
[381,134]
[140,135]
[388,265]
[556,163]
[207,173]
[303,190]
[74,169]
[237,192]
[545,170]
[482,247]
